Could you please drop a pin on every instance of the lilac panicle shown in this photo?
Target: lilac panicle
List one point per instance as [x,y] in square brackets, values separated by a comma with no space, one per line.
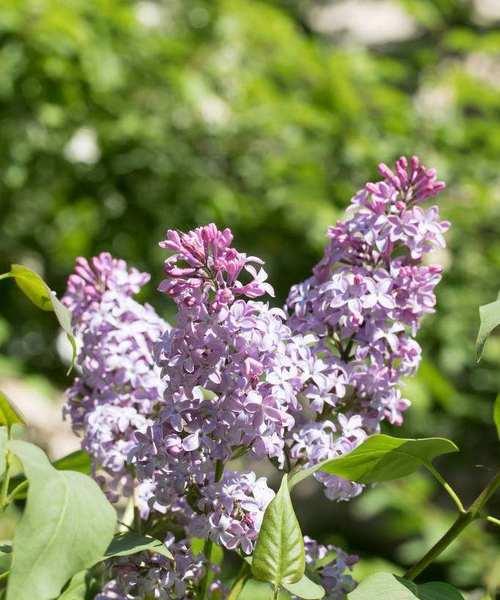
[364,303]
[152,575]
[119,384]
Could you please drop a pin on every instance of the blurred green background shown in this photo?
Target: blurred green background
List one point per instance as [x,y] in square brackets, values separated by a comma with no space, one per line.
[119,119]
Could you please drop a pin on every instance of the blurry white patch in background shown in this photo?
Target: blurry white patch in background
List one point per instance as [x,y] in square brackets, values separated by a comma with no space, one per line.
[486,11]
[485,67]
[83,146]
[214,110]
[42,411]
[365,21]
[148,14]
[435,101]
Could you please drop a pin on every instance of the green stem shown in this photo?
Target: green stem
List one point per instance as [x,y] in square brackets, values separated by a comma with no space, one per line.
[208,546]
[451,492]
[5,484]
[5,275]
[458,526]
[493,520]
[19,488]
[461,522]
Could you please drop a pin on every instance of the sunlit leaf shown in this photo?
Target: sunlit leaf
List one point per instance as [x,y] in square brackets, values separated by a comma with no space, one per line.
[489,317]
[279,552]
[130,542]
[77,588]
[381,458]
[305,588]
[8,414]
[35,288]
[385,586]
[66,527]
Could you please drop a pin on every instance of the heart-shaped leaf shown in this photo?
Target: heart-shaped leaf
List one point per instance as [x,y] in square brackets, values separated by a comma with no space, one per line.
[279,556]
[66,527]
[381,458]
[489,317]
[125,544]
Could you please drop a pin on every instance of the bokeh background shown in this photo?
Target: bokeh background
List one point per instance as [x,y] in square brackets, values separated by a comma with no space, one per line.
[120,118]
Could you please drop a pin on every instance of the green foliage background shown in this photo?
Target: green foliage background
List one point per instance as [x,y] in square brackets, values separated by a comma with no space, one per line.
[237,112]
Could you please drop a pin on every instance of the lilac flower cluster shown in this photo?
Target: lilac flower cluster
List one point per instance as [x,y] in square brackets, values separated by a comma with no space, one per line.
[232,369]
[331,566]
[119,384]
[364,303]
[151,575]
[235,507]
[163,409]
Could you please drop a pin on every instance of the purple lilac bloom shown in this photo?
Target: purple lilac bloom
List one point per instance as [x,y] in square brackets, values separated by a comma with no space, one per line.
[232,510]
[330,565]
[364,303]
[231,367]
[119,384]
[152,575]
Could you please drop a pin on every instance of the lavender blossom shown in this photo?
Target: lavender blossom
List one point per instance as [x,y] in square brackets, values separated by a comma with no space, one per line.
[119,384]
[232,510]
[152,575]
[364,303]
[330,566]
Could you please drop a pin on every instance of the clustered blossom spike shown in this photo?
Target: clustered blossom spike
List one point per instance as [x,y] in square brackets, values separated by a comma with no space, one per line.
[364,303]
[173,405]
[119,385]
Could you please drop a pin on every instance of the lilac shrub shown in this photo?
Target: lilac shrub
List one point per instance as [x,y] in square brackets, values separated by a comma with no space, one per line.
[162,410]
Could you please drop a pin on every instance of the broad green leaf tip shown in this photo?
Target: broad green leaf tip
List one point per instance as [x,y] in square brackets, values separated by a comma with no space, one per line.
[381,458]
[385,586]
[279,556]
[489,320]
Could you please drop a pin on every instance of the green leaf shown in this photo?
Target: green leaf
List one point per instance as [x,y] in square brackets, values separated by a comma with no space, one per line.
[35,288]
[381,458]
[489,317]
[130,542]
[66,527]
[305,588]
[8,414]
[279,552]
[260,590]
[385,586]
[437,590]
[382,586]
[496,414]
[77,588]
[75,461]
